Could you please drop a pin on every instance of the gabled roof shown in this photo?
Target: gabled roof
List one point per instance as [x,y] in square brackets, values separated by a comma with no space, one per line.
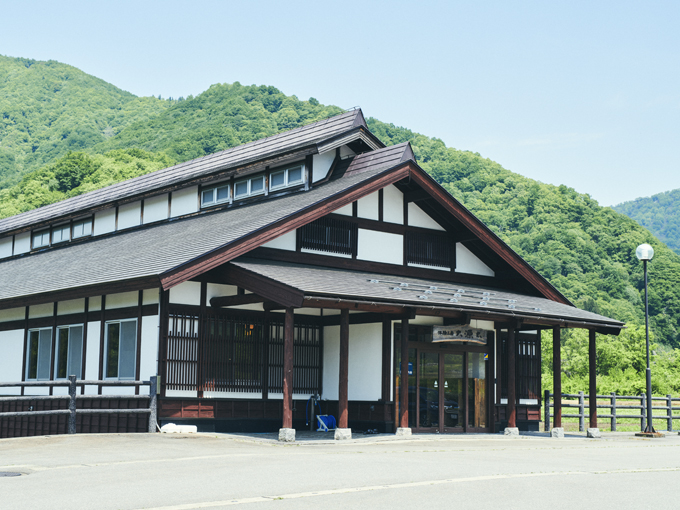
[320,282]
[349,126]
[173,251]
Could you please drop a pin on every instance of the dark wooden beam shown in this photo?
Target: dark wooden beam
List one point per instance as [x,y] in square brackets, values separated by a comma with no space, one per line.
[344,369]
[288,333]
[557,378]
[386,359]
[512,400]
[403,390]
[417,195]
[354,318]
[270,289]
[243,299]
[592,375]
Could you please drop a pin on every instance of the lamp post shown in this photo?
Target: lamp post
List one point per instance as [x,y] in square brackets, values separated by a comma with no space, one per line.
[645,252]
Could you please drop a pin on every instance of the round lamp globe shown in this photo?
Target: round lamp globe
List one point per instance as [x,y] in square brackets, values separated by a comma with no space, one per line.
[644,252]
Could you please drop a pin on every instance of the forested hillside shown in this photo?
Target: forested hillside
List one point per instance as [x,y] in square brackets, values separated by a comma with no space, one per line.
[658,213]
[49,108]
[585,250]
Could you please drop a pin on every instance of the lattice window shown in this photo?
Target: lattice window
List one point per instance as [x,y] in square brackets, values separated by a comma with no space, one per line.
[527,366]
[429,250]
[330,235]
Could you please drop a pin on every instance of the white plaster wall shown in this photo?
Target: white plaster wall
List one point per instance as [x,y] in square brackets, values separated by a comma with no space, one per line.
[156,208]
[216,289]
[368,207]
[296,396]
[104,221]
[6,247]
[426,320]
[284,242]
[181,393]
[150,297]
[345,210]
[393,203]
[380,247]
[467,262]
[122,300]
[419,218]
[71,306]
[148,364]
[186,293]
[308,311]
[184,201]
[321,164]
[130,215]
[44,310]
[92,355]
[487,325]
[95,303]
[13,314]
[22,243]
[12,349]
[365,362]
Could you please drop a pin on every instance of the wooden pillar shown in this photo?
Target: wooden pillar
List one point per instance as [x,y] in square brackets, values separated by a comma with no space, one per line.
[344,368]
[592,373]
[403,391]
[386,359]
[557,378]
[512,401]
[288,332]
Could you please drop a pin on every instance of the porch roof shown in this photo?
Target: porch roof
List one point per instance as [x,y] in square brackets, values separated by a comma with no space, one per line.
[316,285]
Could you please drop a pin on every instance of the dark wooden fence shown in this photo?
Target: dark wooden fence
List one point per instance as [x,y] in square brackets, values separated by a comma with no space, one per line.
[615,408]
[73,398]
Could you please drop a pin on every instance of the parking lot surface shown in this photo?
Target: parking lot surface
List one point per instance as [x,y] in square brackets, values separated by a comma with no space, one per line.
[183,472]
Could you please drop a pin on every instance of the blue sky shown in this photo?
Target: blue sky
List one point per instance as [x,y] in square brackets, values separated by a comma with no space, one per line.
[585,94]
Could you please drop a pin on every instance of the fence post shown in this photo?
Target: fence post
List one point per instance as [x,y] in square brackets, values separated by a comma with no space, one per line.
[669,412]
[581,412]
[643,412]
[153,404]
[613,411]
[546,410]
[72,404]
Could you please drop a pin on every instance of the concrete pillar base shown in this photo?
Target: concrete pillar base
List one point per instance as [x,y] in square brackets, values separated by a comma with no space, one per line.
[557,432]
[511,431]
[403,432]
[343,434]
[594,433]
[287,435]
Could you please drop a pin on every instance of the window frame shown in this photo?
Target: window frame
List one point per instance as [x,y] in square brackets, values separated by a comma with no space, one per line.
[38,355]
[61,227]
[214,189]
[82,221]
[57,346]
[41,233]
[286,179]
[250,193]
[105,354]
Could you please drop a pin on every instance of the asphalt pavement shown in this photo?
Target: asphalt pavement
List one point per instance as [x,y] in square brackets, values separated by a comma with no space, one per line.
[193,471]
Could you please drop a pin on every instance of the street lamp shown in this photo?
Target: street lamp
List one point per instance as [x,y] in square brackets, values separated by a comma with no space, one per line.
[645,253]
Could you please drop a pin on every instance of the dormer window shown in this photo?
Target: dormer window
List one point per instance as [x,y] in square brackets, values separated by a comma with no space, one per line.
[41,238]
[61,233]
[215,195]
[249,187]
[82,228]
[286,177]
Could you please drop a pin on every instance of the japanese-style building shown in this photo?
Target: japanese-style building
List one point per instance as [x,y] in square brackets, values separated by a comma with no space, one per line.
[313,262]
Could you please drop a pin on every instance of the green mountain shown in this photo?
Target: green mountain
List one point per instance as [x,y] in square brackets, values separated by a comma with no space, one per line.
[49,108]
[585,250]
[660,214]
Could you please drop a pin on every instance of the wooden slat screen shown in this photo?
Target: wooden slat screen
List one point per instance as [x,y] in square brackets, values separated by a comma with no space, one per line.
[232,352]
[429,249]
[330,235]
[527,366]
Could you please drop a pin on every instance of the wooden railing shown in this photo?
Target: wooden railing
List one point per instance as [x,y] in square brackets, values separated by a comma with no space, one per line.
[614,407]
[72,410]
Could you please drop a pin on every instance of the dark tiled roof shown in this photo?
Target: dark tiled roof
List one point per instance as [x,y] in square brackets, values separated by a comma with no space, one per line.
[153,250]
[327,282]
[230,158]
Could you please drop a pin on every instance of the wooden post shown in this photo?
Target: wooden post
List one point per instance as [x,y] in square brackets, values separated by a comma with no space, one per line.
[288,332]
[72,404]
[592,355]
[669,413]
[546,410]
[613,411]
[153,404]
[581,411]
[386,358]
[557,379]
[403,391]
[512,401]
[344,368]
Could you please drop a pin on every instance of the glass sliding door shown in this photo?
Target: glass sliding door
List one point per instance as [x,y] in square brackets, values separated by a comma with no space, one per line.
[428,389]
[454,392]
[477,396]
